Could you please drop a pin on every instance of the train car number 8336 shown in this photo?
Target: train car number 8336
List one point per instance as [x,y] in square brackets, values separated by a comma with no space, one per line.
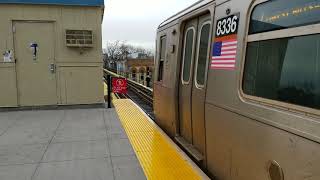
[227,25]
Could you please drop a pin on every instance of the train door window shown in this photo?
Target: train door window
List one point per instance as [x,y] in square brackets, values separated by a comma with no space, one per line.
[188,55]
[203,54]
[163,43]
[283,54]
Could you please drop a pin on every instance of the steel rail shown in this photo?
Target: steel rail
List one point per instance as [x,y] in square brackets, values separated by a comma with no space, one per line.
[145,93]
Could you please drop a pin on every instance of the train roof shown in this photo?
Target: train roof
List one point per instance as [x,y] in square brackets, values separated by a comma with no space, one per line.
[56,2]
[185,11]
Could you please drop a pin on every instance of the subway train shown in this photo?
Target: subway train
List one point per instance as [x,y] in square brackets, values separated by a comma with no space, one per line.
[237,86]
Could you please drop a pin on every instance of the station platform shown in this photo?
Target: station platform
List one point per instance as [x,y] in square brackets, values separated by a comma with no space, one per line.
[89,144]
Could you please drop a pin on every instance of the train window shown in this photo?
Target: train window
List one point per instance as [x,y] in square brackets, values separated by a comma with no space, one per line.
[286,69]
[283,61]
[279,14]
[163,43]
[203,54]
[188,55]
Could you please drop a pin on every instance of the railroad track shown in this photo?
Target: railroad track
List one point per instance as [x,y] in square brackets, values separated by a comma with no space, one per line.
[141,95]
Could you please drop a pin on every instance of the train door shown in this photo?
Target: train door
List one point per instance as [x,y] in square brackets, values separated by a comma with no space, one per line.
[34,49]
[185,87]
[199,89]
[192,85]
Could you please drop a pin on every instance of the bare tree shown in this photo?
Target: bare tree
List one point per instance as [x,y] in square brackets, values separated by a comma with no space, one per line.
[143,52]
[113,53]
[119,51]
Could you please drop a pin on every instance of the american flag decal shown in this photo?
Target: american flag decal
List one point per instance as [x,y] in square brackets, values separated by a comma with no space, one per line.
[224,53]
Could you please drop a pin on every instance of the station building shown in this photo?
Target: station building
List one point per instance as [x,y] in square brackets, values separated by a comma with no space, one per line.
[141,69]
[136,69]
[52,52]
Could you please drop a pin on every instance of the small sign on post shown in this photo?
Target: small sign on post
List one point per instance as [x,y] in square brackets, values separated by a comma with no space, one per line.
[119,85]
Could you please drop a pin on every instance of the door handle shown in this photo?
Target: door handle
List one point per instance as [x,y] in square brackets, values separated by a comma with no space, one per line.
[52,68]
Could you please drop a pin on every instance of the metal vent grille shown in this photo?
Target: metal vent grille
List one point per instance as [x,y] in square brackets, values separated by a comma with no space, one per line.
[79,38]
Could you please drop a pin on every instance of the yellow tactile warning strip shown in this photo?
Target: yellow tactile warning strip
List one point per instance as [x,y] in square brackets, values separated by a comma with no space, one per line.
[158,158]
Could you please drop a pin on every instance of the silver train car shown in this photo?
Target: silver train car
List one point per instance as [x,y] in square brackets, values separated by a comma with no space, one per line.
[237,86]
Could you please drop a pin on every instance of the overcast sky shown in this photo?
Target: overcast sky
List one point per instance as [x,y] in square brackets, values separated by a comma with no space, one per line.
[136,21]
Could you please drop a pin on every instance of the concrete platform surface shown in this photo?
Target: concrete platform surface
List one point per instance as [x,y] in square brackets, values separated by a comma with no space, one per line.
[78,144]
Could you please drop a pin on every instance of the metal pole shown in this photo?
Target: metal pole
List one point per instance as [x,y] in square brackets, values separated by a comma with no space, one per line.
[109,90]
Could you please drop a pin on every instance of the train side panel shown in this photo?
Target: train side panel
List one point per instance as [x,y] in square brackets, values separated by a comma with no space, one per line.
[165,97]
[242,148]
[243,137]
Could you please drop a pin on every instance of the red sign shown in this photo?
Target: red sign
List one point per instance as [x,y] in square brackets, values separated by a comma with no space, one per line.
[119,85]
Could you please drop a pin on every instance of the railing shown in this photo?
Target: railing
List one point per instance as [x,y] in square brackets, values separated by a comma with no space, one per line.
[143,78]
[144,92]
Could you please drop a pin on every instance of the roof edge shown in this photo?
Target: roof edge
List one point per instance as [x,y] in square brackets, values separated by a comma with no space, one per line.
[196,5]
[94,3]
